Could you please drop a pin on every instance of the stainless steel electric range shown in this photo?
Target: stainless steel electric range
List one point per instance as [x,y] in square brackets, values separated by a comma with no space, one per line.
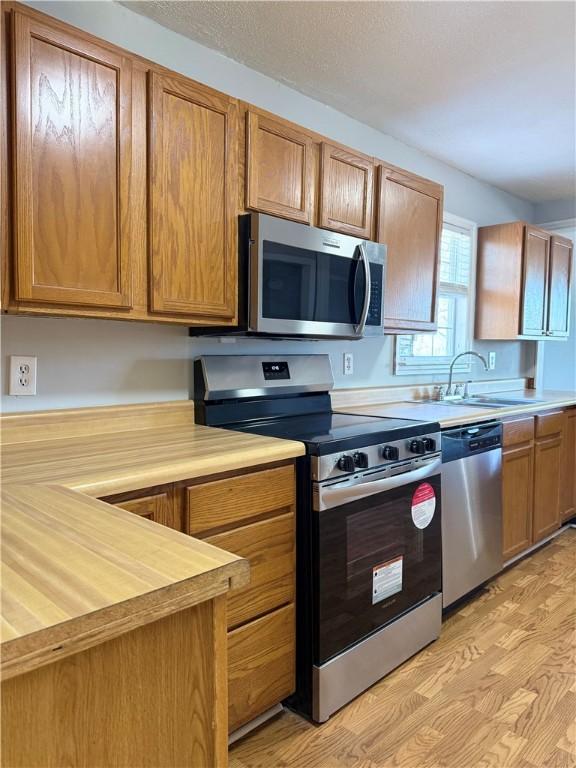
[369,551]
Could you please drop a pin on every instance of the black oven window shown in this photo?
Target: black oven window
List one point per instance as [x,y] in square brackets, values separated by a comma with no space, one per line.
[300,284]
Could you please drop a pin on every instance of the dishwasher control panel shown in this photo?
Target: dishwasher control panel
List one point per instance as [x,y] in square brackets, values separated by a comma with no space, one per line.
[459,442]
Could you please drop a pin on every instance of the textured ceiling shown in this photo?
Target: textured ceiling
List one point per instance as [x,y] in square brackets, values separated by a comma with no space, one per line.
[488,87]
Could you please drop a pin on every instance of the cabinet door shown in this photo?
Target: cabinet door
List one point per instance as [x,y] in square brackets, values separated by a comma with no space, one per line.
[192,199]
[517,473]
[346,191]
[410,224]
[535,281]
[559,286]
[73,102]
[261,665]
[278,169]
[568,471]
[547,458]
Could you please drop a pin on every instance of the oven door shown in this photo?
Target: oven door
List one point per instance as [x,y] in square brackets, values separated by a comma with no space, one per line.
[306,281]
[379,552]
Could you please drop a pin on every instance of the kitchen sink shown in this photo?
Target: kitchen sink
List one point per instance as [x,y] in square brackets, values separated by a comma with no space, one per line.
[484,402]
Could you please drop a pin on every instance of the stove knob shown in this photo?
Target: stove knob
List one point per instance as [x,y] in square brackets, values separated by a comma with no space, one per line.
[361,460]
[346,464]
[417,446]
[429,443]
[390,453]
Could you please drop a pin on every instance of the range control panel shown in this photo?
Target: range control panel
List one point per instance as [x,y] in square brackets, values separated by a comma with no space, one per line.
[374,456]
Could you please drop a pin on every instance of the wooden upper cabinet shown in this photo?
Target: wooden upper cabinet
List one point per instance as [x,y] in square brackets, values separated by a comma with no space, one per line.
[279,168]
[410,224]
[535,282]
[346,191]
[72,161]
[192,199]
[524,282]
[559,286]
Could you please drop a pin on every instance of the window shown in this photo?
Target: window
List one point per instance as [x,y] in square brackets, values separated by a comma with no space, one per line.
[433,352]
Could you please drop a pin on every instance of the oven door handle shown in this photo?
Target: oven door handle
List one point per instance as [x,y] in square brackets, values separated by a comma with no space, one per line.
[359,329]
[334,496]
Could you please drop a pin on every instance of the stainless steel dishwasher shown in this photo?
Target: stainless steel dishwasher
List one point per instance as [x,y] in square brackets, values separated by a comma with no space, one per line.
[471,508]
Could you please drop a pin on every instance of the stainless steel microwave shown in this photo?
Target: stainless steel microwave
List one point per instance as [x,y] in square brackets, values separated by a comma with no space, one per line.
[301,281]
[306,281]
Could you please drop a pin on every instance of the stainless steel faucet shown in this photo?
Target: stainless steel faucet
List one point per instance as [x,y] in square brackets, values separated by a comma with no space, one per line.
[462,354]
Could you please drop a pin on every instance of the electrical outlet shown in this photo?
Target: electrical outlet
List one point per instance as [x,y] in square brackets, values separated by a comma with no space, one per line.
[22,375]
[492,360]
[348,363]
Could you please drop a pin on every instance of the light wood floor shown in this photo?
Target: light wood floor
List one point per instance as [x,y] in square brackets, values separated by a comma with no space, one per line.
[498,690]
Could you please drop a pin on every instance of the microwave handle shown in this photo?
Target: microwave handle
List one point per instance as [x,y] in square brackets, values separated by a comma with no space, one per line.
[359,329]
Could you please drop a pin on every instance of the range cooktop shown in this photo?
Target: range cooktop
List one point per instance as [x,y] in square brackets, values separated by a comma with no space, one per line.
[331,431]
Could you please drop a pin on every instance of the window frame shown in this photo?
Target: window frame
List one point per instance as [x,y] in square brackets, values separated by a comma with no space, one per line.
[417,366]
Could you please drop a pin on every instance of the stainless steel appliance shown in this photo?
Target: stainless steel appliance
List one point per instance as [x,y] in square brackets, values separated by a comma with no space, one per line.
[297,280]
[471,508]
[369,550]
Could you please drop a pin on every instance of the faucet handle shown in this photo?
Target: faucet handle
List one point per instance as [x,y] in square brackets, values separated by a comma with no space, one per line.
[466,388]
[458,390]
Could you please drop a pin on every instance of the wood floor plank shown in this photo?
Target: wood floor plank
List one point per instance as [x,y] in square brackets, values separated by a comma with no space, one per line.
[497,690]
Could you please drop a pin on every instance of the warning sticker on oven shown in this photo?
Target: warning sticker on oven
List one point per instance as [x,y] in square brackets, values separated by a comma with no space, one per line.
[386,579]
[423,505]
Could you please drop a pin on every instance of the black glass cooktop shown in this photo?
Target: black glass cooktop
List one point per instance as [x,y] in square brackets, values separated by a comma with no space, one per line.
[328,432]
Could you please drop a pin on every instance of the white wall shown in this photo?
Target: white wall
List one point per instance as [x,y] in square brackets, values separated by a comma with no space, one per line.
[558,358]
[89,362]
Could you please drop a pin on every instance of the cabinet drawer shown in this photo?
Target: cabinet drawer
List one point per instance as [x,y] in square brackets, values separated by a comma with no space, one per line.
[518,431]
[158,507]
[222,503]
[269,545]
[549,424]
[260,665]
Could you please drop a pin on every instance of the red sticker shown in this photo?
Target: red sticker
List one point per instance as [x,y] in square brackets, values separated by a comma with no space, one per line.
[423,505]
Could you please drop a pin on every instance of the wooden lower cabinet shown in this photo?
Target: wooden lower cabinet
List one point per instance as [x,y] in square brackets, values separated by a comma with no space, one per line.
[535,470]
[546,514]
[155,697]
[252,514]
[517,473]
[568,467]
[260,665]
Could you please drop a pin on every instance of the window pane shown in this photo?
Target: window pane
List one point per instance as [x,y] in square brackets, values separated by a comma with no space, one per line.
[455,251]
[423,344]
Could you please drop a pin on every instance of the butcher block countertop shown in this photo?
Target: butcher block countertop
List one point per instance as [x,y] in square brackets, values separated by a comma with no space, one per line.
[77,571]
[106,464]
[454,415]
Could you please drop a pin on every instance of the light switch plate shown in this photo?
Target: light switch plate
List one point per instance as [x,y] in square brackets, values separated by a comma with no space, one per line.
[491,360]
[22,375]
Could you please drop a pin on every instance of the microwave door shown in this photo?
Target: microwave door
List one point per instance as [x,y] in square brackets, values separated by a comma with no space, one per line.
[307,292]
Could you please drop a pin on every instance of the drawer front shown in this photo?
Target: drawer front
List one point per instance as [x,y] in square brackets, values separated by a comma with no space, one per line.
[518,431]
[261,665]
[235,500]
[158,507]
[549,424]
[269,545]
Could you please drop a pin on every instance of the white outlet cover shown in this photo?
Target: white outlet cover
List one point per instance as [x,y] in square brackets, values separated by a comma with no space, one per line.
[22,375]
[491,360]
[348,360]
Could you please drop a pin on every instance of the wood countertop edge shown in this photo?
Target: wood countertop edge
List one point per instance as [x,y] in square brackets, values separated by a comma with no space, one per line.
[46,646]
